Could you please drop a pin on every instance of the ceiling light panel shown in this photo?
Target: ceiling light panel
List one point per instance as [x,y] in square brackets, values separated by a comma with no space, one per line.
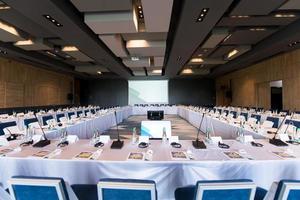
[210,61]
[142,62]
[236,52]
[115,43]
[247,36]
[157,15]
[217,36]
[33,45]
[75,53]
[256,7]
[9,33]
[102,5]
[112,22]
[146,48]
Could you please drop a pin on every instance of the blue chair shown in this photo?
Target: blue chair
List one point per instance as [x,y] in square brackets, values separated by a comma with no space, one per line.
[226,111]
[37,188]
[79,113]
[245,115]
[126,189]
[86,111]
[294,122]
[29,121]
[97,109]
[46,118]
[58,116]
[5,125]
[243,189]
[70,114]
[258,117]
[234,113]
[93,111]
[288,190]
[275,120]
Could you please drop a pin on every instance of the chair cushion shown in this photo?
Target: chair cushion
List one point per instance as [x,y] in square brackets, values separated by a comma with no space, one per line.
[185,193]
[83,191]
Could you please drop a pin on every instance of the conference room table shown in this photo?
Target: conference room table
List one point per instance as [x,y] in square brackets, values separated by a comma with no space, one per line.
[216,126]
[261,164]
[142,110]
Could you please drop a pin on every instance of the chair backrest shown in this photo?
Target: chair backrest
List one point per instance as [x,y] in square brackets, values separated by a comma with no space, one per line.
[234,113]
[252,120]
[46,118]
[93,111]
[288,190]
[5,125]
[86,111]
[71,114]
[293,122]
[28,121]
[58,116]
[275,120]
[268,124]
[225,190]
[258,117]
[126,189]
[37,188]
[78,113]
[245,115]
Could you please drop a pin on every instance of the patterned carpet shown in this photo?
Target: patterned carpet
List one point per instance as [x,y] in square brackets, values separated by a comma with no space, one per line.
[180,127]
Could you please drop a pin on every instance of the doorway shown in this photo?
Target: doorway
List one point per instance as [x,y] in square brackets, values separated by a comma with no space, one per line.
[276,95]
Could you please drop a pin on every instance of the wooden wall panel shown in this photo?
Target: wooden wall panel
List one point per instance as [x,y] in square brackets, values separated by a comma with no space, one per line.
[25,85]
[245,82]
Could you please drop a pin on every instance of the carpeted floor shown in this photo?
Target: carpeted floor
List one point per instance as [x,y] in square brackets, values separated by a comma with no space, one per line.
[180,127]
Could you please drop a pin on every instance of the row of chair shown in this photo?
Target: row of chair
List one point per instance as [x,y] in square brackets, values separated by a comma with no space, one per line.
[40,188]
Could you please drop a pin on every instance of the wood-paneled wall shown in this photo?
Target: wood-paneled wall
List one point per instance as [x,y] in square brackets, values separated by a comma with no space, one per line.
[250,86]
[25,85]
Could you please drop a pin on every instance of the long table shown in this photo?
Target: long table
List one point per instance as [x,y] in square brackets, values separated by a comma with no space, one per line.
[218,127]
[142,110]
[261,164]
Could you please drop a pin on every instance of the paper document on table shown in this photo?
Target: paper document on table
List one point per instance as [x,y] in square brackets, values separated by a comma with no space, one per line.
[283,154]
[85,155]
[41,154]
[179,155]
[136,156]
[233,155]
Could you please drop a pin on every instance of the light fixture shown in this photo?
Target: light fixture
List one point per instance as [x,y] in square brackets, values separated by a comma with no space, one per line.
[202,14]
[51,54]
[4,7]
[227,37]
[257,29]
[200,54]
[3,52]
[135,58]
[232,53]
[69,48]
[52,20]
[24,42]
[196,60]
[239,16]
[157,71]
[140,11]
[284,15]
[98,72]
[294,43]
[9,29]
[187,71]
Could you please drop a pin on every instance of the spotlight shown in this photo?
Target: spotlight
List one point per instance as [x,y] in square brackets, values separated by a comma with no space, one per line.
[202,14]
[53,21]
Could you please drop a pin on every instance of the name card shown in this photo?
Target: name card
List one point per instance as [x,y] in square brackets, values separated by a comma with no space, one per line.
[104,139]
[284,137]
[247,139]
[72,139]
[214,140]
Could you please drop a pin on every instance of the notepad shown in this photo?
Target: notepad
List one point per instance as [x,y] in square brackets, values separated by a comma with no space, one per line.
[85,155]
[136,156]
[283,154]
[41,154]
[179,155]
[3,152]
[233,155]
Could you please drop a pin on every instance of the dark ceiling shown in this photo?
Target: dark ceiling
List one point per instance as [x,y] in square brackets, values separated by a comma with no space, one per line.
[147,39]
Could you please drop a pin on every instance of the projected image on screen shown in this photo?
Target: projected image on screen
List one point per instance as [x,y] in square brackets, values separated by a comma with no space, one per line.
[148,92]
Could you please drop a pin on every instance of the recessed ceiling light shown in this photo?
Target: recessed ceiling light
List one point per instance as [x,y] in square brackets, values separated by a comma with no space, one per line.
[187,71]
[284,15]
[9,29]
[4,7]
[232,53]
[98,72]
[200,54]
[294,43]
[52,20]
[3,52]
[24,42]
[69,48]
[196,60]
[239,16]
[257,29]
[139,7]
[202,14]
[157,71]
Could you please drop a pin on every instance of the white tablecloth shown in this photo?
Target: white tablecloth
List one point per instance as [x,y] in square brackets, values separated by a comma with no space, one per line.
[217,127]
[209,164]
[140,110]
